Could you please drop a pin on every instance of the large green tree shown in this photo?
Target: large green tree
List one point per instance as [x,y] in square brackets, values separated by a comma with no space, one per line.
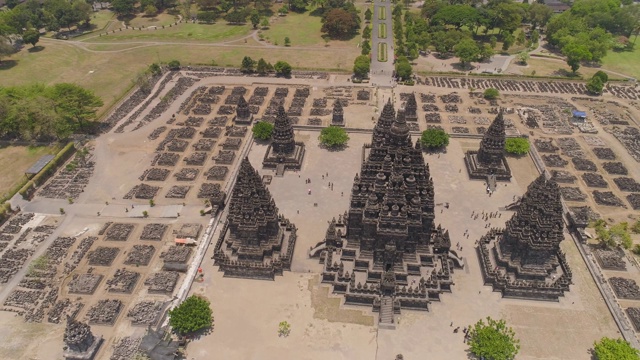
[614,349]
[434,138]
[403,68]
[576,53]
[282,68]
[192,315]
[493,340]
[31,36]
[467,51]
[517,146]
[361,66]
[76,105]
[340,23]
[333,137]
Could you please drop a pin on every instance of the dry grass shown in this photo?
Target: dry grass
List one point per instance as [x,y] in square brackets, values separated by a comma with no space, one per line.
[15,160]
[327,307]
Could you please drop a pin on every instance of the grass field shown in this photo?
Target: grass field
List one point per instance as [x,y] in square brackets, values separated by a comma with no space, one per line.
[548,67]
[110,74]
[626,62]
[303,30]
[382,52]
[158,20]
[183,31]
[382,13]
[15,160]
[382,31]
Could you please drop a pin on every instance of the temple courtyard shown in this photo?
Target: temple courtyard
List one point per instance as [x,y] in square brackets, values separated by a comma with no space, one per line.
[105,227]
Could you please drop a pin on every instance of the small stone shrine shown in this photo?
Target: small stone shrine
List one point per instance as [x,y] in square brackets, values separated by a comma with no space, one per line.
[489,160]
[386,251]
[337,118]
[80,343]
[243,114]
[256,242]
[283,152]
[524,260]
[411,108]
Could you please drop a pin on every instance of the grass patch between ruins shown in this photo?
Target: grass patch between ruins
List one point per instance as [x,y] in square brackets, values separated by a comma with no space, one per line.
[194,32]
[625,62]
[382,31]
[15,160]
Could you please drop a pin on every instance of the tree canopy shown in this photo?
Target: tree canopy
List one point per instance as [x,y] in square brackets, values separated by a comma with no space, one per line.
[493,340]
[340,23]
[517,146]
[282,68]
[38,112]
[618,349]
[333,136]
[467,51]
[191,315]
[491,93]
[434,138]
[403,68]
[361,66]
[262,130]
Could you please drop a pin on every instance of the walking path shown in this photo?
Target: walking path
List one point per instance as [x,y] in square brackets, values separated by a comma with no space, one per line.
[381,37]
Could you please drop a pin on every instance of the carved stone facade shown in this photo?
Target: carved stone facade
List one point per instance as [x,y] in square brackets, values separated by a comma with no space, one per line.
[283,152]
[386,251]
[337,119]
[524,260]
[80,343]
[489,160]
[411,108]
[243,114]
[256,242]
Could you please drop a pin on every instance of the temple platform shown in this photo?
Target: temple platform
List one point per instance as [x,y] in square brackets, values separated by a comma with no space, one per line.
[291,161]
[479,171]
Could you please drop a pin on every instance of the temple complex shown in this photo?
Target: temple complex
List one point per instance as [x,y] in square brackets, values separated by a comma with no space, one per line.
[524,260]
[386,250]
[337,118]
[284,153]
[80,343]
[489,161]
[411,108]
[256,242]
[243,114]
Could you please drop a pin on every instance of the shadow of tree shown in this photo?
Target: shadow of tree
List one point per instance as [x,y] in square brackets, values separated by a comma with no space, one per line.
[35,49]
[7,64]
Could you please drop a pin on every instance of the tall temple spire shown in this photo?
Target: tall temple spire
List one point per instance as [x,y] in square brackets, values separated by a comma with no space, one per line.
[337,118]
[489,161]
[243,113]
[528,249]
[256,241]
[491,149]
[283,138]
[411,108]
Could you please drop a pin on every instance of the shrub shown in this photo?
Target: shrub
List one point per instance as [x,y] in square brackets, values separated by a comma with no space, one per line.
[434,138]
[262,130]
[174,65]
[192,315]
[517,146]
[491,93]
[333,136]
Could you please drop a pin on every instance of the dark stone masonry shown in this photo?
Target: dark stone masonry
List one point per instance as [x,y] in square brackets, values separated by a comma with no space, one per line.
[386,251]
[256,242]
[524,260]
[489,160]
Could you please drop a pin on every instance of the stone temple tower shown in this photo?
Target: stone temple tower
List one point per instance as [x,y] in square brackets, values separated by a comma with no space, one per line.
[489,160]
[283,152]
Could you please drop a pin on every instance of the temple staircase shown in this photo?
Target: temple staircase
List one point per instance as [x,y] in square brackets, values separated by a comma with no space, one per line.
[386,319]
[280,170]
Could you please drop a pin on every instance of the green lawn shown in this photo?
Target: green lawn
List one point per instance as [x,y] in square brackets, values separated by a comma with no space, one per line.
[382,13]
[626,62]
[160,19]
[382,52]
[382,31]
[102,18]
[15,160]
[183,31]
[302,30]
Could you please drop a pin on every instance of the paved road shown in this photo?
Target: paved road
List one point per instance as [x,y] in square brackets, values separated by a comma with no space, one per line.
[381,71]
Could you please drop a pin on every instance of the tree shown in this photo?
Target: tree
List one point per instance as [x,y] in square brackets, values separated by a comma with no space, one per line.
[595,85]
[333,137]
[150,10]
[173,65]
[602,76]
[517,146]
[618,349]
[247,64]
[434,138]
[255,18]
[486,52]
[236,17]
[339,23]
[507,41]
[262,130]
[456,15]
[403,68]
[207,17]
[575,54]
[361,66]
[493,340]
[366,47]
[366,32]
[539,15]
[636,227]
[282,68]
[192,315]
[264,23]
[155,69]
[491,93]
[284,329]
[493,41]
[467,51]
[76,105]
[523,57]
[368,14]
[31,36]
[287,41]
[262,67]
[123,7]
